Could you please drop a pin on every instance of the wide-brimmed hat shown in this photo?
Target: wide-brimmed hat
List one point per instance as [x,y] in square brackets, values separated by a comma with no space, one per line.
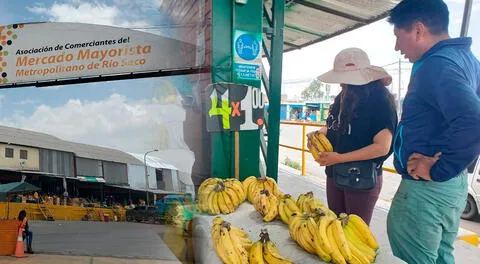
[352,66]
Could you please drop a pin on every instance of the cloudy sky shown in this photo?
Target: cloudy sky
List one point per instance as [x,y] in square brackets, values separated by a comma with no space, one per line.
[129,115]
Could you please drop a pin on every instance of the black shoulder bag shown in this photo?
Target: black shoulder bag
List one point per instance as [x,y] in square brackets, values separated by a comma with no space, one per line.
[356,175]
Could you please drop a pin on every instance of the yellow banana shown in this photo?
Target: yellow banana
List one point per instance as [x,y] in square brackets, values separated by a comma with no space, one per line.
[293,223]
[322,238]
[325,142]
[227,245]
[238,232]
[341,240]
[364,231]
[209,204]
[357,254]
[273,185]
[247,183]
[264,204]
[314,204]
[292,205]
[233,196]
[272,255]
[214,205]
[314,150]
[228,202]
[282,212]
[203,197]
[207,182]
[356,260]
[257,200]
[216,244]
[317,243]
[222,205]
[217,220]
[272,209]
[300,200]
[256,253]
[318,144]
[337,257]
[331,213]
[364,248]
[288,213]
[305,238]
[253,189]
[238,246]
[247,244]
[237,187]
[303,206]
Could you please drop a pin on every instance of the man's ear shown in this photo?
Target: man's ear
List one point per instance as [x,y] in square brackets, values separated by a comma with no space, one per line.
[420,30]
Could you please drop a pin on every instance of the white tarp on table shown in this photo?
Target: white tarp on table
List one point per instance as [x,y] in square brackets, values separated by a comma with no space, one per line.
[250,220]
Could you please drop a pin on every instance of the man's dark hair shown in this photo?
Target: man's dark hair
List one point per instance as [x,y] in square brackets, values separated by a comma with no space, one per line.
[432,13]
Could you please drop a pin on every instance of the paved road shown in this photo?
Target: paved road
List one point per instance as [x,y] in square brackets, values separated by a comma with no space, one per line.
[292,135]
[120,240]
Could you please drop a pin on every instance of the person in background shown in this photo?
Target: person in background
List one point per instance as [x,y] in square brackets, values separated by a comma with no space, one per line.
[27,234]
[438,134]
[360,126]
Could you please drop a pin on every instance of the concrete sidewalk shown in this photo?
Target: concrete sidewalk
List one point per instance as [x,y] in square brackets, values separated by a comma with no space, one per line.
[62,259]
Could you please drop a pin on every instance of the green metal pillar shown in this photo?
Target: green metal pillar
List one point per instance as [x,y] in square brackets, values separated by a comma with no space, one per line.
[228,16]
[221,53]
[275,80]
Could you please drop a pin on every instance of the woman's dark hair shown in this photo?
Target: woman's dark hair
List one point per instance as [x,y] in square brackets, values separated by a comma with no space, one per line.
[351,96]
[432,13]
[21,215]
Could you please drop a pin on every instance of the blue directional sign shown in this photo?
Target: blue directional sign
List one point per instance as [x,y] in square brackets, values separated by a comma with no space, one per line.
[247,46]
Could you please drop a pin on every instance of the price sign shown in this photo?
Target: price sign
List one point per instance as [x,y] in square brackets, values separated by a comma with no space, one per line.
[234,107]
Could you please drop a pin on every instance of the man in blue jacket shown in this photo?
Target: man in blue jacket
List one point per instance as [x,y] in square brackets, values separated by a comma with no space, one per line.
[438,135]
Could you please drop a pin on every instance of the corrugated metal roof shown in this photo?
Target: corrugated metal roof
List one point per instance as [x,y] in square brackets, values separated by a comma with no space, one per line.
[156,191]
[10,135]
[311,21]
[154,162]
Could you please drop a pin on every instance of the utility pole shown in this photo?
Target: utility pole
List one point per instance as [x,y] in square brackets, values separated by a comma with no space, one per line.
[146,176]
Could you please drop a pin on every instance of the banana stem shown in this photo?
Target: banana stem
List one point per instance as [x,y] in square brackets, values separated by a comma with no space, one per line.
[264,237]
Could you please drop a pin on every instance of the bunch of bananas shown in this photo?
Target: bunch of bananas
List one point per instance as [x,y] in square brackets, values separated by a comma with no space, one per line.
[218,196]
[266,204]
[253,185]
[265,251]
[310,235]
[360,239]
[342,240]
[319,143]
[286,207]
[309,204]
[175,215]
[231,244]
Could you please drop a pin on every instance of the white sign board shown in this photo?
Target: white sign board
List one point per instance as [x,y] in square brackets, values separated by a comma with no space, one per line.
[49,51]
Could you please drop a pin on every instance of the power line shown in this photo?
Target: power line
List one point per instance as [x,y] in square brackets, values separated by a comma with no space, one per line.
[394,63]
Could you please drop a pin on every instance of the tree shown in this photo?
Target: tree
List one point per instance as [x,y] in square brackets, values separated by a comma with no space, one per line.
[314,90]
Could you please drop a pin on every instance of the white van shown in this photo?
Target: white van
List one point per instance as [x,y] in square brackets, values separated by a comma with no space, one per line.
[473,201]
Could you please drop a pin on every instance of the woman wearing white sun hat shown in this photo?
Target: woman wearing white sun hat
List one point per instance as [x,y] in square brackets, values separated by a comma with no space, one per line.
[360,126]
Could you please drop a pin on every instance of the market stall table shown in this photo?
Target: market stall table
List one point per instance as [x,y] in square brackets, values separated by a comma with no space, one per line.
[246,218]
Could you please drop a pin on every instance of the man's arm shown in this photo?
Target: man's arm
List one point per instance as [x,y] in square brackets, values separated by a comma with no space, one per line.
[454,96]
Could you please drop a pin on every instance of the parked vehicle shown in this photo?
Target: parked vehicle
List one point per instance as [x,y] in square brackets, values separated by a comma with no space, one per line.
[472,208]
[169,209]
[143,214]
